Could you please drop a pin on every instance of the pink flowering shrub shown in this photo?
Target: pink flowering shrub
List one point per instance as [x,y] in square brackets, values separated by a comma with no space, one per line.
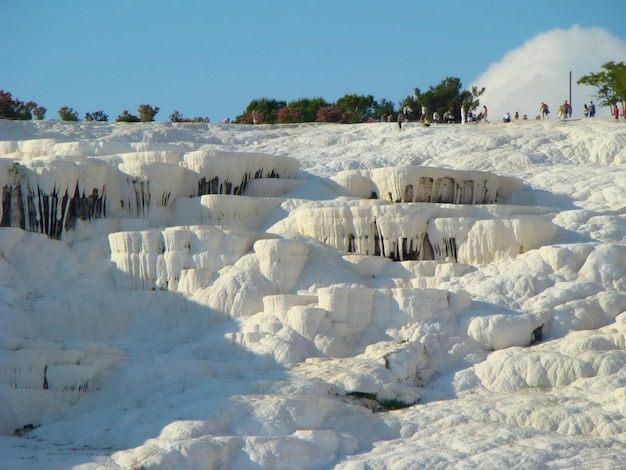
[331,114]
[39,112]
[289,115]
[11,108]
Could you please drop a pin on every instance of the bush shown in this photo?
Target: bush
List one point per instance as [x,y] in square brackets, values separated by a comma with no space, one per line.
[251,118]
[244,119]
[147,112]
[198,119]
[308,107]
[357,108]
[331,114]
[176,116]
[97,116]
[288,115]
[39,112]
[127,117]
[11,108]
[265,109]
[68,114]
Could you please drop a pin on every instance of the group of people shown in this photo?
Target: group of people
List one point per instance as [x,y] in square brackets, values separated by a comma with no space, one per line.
[564,111]
[403,116]
[589,111]
[469,115]
[448,116]
[507,117]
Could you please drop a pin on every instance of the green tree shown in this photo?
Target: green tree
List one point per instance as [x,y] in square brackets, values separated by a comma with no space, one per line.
[266,107]
[610,82]
[448,95]
[411,102]
[357,108]
[308,107]
[472,102]
[383,107]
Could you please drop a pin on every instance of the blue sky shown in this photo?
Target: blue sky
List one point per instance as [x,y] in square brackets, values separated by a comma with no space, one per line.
[211,58]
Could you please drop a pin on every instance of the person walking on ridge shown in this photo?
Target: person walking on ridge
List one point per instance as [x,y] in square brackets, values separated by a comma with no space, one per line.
[567,110]
[400,120]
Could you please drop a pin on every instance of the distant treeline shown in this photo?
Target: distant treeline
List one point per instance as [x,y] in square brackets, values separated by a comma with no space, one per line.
[447,96]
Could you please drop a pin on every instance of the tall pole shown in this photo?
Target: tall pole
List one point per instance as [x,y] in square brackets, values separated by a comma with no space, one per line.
[571,107]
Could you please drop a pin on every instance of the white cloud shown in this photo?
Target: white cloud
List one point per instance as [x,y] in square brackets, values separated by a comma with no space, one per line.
[539,71]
